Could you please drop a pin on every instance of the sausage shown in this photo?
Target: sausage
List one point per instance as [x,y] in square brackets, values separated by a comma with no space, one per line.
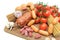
[29,29]
[25,27]
[24,19]
[26,33]
[37,36]
[23,32]
[50,28]
[21,29]
[31,22]
[30,34]
[43,32]
[34,28]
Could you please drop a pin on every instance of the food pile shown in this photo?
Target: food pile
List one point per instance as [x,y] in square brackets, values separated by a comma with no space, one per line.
[39,18]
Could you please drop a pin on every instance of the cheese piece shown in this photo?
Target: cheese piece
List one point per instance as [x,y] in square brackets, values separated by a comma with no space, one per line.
[31,22]
[50,28]
[43,32]
[33,14]
[34,28]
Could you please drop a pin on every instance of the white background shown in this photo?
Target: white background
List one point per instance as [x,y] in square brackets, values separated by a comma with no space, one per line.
[8,6]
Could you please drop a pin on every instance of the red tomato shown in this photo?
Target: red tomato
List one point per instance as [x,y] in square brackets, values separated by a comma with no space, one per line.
[43,20]
[59,20]
[39,14]
[43,26]
[55,9]
[38,7]
[47,8]
[37,20]
[47,13]
[58,14]
[53,14]
[51,10]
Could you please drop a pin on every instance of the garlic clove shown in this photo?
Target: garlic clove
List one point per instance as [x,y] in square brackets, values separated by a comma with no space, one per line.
[18,14]
[11,28]
[11,24]
[7,25]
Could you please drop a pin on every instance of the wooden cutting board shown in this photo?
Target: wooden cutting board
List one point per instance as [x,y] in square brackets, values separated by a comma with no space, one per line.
[15,31]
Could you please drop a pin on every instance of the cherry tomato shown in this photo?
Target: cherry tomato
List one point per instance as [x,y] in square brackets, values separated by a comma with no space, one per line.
[58,14]
[53,14]
[51,10]
[43,26]
[55,9]
[37,20]
[38,7]
[47,13]
[43,20]
[47,7]
[39,14]
[59,20]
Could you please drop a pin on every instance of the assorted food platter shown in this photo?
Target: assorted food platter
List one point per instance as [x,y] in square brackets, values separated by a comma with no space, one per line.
[34,22]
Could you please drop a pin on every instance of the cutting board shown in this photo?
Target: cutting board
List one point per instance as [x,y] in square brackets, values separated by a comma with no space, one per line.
[15,31]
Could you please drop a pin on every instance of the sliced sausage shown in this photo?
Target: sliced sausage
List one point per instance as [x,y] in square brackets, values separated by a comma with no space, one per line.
[21,29]
[37,36]
[26,33]
[30,34]
[23,32]
[29,29]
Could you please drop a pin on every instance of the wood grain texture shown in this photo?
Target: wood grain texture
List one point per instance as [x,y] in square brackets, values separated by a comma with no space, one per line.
[16,32]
